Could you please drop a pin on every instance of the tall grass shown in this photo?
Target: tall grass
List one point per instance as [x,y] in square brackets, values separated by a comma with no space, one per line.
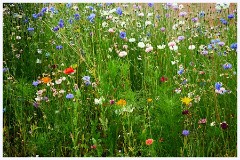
[128,100]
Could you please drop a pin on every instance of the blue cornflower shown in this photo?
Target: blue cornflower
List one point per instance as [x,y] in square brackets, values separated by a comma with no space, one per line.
[69,96]
[86,80]
[227,66]
[210,46]
[119,11]
[56,28]
[40,14]
[218,85]
[61,23]
[230,16]
[68,5]
[44,10]
[35,83]
[52,9]
[185,132]
[108,4]
[91,17]
[76,16]
[30,29]
[25,20]
[223,21]
[35,16]
[91,8]
[123,35]
[213,41]
[233,46]
[202,14]
[181,71]
[59,47]
[184,82]
[70,21]
[150,4]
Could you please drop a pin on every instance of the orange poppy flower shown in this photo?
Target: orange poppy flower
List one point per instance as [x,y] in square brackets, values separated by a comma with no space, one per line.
[69,70]
[46,79]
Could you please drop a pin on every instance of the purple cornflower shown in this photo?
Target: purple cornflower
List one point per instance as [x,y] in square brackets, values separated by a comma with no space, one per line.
[5,69]
[227,66]
[204,52]
[180,38]
[162,29]
[169,4]
[35,83]
[35,104]
[182,14]
[221,44]
[119,11]
[195,19]
[185,132]
[123,35]
[69,96]
[150,4]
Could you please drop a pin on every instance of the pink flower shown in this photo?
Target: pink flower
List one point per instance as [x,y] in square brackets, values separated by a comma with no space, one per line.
[202,121]
[149,142]
[94,146]
[122,54]
[149,49]
[111,30]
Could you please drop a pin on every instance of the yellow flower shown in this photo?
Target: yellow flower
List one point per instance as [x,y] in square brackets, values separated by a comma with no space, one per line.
[186,100]
[121,102]
[46,79]
[149,100]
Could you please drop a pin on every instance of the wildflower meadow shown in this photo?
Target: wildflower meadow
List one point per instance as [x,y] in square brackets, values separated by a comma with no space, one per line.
[119,80]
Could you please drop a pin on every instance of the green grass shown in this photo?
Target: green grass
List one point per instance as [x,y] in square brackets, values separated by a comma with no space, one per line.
[80,128]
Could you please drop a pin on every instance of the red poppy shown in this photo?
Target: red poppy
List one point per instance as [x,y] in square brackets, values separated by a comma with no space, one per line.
[163,79]
[69,70]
